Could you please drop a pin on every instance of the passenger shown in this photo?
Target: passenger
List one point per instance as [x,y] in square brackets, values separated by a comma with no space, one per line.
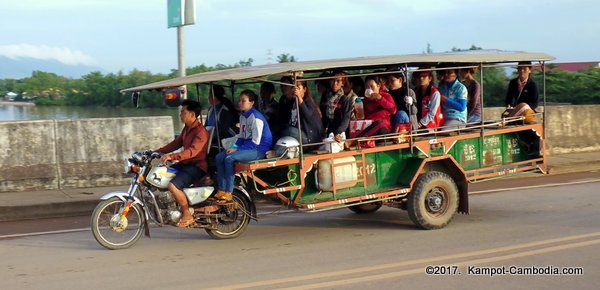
[522,89]
[339,111]
[358,85]
[379,107]
[286,103]
[453,100]
[379,72]
[474,94]
[310,116]
[323,89]
[351,94]
[268,106]
[429,98]
[223,111]
[440,76]
[253,142]
[404,98]
[192,164]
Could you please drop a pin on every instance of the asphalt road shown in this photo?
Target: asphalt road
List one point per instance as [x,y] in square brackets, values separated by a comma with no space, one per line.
[548,228]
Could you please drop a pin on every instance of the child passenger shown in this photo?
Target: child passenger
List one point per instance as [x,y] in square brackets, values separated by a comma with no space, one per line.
[254,140]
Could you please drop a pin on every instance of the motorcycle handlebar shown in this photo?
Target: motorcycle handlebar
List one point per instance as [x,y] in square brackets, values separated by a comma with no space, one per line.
[152,154]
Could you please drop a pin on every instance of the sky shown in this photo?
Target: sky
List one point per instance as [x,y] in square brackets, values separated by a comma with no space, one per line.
[122,35]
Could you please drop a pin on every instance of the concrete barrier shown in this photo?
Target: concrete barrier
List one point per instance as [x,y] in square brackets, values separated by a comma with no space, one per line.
[37,155]
[28,155]
[570,128]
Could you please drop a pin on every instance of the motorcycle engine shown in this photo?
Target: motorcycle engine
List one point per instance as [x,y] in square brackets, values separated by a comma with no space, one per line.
[167,200]
[169,208]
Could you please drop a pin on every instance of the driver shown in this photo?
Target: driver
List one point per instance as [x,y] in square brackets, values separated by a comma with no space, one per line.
[192,163]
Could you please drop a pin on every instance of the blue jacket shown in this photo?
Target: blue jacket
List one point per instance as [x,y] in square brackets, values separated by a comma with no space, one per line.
[456,104]
[254,132]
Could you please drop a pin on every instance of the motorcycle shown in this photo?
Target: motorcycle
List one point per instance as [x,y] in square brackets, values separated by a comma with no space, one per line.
[120,218]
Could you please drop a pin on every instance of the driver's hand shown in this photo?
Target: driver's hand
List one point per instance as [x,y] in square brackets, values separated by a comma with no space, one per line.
[166,158]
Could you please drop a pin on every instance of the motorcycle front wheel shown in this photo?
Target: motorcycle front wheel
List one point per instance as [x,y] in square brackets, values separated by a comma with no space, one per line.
[111,230]
[233,222]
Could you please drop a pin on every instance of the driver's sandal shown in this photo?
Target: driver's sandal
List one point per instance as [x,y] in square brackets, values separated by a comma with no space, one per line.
[185,224]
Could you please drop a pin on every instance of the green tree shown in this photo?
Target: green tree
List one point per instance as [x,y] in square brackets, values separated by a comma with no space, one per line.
[495,83]
[286,57]
[46,85]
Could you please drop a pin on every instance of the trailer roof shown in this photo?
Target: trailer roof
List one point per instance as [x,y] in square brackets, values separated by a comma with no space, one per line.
[269,70]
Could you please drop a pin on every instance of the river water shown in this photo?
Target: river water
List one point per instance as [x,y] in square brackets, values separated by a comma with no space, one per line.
[16,113]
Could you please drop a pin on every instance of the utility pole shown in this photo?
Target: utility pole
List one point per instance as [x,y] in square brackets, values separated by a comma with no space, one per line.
[179,14]
[181,56]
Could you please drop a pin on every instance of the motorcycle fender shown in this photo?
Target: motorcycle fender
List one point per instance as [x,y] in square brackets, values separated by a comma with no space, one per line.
[122,196]
[252,206]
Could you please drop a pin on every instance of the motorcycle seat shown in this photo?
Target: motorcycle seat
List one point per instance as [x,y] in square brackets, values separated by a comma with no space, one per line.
[204,181]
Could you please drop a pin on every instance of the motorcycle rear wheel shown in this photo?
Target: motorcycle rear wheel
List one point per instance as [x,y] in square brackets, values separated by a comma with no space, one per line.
[110,231]
[236,221]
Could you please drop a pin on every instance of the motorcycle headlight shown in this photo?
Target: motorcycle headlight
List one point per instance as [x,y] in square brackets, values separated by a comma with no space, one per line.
[130,167]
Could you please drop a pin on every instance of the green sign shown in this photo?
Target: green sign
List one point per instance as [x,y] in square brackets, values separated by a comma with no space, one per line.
[175,13]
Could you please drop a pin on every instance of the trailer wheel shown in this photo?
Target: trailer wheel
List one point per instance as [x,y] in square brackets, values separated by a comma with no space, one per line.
[366,208]
[433,201]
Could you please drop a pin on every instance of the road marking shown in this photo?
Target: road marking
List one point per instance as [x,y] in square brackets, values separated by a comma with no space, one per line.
[534,186]
[464,263]
[436,260]
[13,236]
[43,233]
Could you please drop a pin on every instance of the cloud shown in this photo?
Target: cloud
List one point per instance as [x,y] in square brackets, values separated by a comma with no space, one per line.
[62,54]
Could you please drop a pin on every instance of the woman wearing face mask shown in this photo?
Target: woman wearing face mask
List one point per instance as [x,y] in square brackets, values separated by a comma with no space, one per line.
[379,107]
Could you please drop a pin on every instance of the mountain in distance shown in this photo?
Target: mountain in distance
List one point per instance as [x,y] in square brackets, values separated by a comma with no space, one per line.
[23,67]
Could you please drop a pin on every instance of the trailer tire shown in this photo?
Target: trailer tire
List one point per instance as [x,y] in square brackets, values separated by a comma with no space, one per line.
[433,201]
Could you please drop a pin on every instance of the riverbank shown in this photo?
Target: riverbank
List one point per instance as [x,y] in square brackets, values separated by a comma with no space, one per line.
[14,103]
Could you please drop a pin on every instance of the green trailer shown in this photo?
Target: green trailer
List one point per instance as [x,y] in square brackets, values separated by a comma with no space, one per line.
[426,172]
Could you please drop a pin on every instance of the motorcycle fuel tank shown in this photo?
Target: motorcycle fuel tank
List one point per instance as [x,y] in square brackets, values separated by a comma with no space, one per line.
[160,176]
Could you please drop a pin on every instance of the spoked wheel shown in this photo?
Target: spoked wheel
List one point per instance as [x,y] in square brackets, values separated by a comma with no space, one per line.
[434,200]
[235,218]
[366,208]
[112,230]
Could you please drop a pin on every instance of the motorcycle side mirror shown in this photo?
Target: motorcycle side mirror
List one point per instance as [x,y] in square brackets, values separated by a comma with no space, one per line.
[135,99]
